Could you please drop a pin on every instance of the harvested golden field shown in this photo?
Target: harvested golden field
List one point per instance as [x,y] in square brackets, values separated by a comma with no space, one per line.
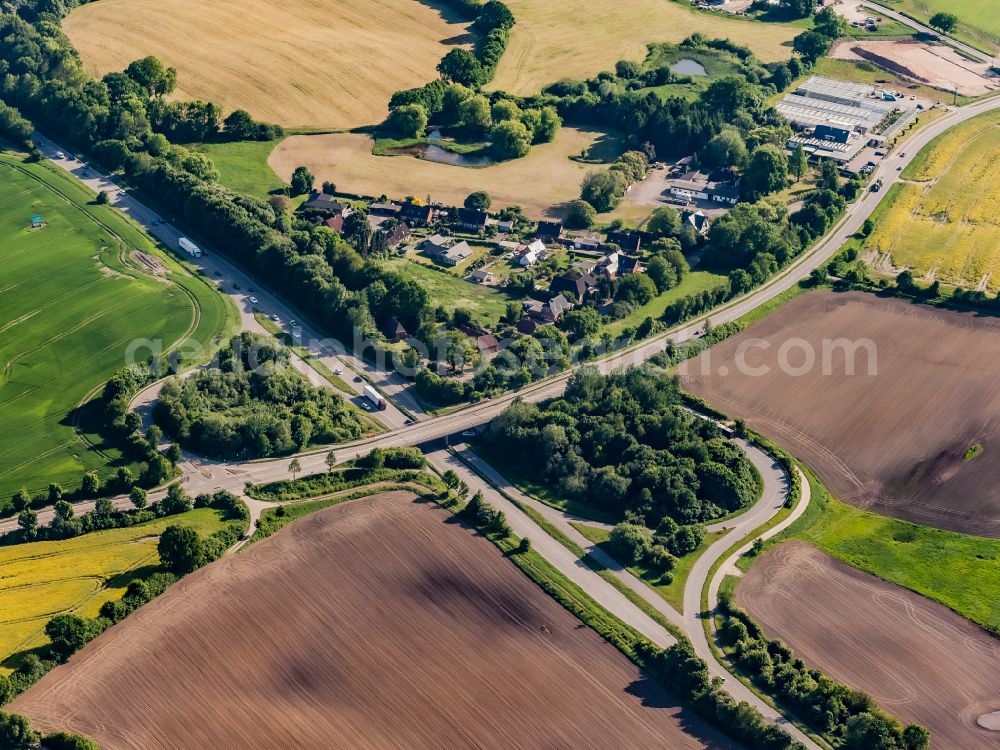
[916,440]
[556,39]
[329,64]
[919,660]
[379,623]
[541,182]
[945,224]
[44,579]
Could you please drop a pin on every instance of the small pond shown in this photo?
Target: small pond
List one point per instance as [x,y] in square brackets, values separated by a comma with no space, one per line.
[689,67]
[443,156]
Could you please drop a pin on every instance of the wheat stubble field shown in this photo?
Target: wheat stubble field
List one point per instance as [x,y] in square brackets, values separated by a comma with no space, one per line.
[327,64]
[917,440]
[379,623]
[919,660]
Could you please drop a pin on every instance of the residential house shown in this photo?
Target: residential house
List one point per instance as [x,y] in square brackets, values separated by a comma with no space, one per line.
[608,266]
[549,230]
[629,264]
[578,286]
[505,227]
[384,209]
[472,219]
[416,214]
[528,325]
[482,276]
[586,243]
[697,220]
[445,250]
[700,186]
[393,330]
[325,202]
[530,254]
[397,235]
[627,241]
[486,342]
[584,266]
[547,312]
[335,222]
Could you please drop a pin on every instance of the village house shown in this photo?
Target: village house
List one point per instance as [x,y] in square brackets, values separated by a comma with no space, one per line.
[528,255]
[586,242]
[482,276]
[694,186]
[578,286]
[325,202]
[384,209]
[486,342]
[547,312]
[616,265]
[472,219]
[416,214]
[697,220]
[335,222]
[445,250]
[394,331]
[627,241]
[397,235]
[549,231]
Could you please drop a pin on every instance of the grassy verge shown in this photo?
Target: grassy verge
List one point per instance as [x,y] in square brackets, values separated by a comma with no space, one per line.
[536,490]
[673,592]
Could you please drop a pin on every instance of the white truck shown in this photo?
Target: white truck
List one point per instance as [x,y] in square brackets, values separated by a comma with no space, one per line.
[375,397]
[190,248]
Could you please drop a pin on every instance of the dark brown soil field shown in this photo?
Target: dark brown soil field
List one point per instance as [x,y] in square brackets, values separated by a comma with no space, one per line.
[380,623]
[894,442]
[920,661]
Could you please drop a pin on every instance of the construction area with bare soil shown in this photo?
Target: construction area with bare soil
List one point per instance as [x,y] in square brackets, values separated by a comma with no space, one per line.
[919,660]
[378,623]
[909,434]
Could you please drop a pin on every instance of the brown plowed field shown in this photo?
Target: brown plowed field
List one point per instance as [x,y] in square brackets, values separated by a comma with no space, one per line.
[894,442]
[379,623]
[919,660]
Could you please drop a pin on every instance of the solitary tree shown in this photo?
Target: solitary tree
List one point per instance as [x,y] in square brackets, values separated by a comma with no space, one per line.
[102,198]
[180,549]
[799,162]
[302,181]
[21,499]
[138,497]
[944,22]
[331,461]
[27,520]
[64,510]
[294,467]
[479,199]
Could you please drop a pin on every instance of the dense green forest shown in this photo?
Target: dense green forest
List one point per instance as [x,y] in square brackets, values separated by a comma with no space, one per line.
[623,444]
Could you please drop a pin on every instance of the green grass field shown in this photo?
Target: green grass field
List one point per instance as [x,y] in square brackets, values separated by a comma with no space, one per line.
[446,289]
[694,282]
[978,20]
[960,571]
[243,166]
[72,300]
[43,579]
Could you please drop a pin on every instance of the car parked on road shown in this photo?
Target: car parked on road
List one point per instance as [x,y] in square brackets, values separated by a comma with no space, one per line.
[252,300]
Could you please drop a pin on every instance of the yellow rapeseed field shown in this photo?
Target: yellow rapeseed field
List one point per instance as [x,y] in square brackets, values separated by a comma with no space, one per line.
[43,579]
[946,221]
